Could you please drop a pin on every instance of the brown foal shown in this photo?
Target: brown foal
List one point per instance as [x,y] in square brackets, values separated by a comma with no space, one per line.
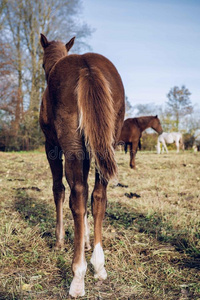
[81,115]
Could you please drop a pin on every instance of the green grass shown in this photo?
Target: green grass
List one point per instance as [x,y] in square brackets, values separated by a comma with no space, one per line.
[150,237]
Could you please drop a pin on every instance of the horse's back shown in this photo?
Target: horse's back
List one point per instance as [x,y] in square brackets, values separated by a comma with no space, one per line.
[63,83]
[130,130]
[177,135]
[169,137]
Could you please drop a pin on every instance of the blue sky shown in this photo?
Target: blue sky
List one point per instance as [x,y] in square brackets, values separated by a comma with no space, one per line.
[155,44]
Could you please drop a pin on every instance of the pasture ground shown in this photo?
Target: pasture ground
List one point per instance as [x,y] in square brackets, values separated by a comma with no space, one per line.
[151,230]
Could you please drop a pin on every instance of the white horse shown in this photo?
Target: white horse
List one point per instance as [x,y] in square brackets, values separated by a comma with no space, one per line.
[170,138]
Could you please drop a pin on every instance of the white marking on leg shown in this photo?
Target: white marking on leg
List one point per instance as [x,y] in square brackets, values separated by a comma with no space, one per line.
[98,261]
[87,234]
[77,287]
[177,146]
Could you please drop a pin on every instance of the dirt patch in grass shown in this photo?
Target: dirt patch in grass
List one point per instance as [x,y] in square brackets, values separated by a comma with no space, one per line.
[151,230]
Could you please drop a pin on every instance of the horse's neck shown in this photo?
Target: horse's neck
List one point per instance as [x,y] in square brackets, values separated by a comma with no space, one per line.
[51,64]
[144,123]
[52,59]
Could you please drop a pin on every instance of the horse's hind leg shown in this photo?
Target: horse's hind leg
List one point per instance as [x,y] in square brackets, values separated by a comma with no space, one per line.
[99,200]
[86,225]
[87,234]
[164,147]
[54,156]
[133,151]
[177,146]
[76,174]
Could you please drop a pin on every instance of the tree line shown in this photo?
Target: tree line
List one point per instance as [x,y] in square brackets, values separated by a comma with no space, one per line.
[178,114]
[22,80]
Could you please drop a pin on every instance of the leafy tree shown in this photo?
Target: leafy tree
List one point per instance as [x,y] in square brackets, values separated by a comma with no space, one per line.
[147,109]
[179,104]
[149,141]
[167,121]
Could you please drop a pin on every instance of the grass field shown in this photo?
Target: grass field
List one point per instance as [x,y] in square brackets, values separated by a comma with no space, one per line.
[151,230]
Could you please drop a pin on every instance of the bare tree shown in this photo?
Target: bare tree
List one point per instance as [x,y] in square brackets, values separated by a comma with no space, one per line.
[10,96]
[128,108]
[179,104]
[21,22]
[147,109]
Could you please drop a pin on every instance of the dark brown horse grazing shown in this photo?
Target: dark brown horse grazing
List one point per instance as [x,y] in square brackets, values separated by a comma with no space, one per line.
[132,131]
[81,116]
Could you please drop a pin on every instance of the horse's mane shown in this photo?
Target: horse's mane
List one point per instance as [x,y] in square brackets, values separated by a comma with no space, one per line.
[53,53]
[143,120]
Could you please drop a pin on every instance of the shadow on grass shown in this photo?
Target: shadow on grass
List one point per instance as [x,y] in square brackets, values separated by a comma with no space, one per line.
[154,225]
[7,296]
[65,270]
[36,211]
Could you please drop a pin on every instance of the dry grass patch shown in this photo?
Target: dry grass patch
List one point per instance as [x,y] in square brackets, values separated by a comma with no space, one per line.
[151,230]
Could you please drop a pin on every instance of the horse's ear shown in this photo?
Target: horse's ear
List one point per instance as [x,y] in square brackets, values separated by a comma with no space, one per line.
[156,116]
[43,40]
[70,44]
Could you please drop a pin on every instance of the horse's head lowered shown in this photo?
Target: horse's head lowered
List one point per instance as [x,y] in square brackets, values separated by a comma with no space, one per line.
[53,52]
[156,125]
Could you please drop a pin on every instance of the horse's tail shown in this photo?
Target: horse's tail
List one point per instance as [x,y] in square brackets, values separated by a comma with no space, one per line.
[125,147]
[97,119]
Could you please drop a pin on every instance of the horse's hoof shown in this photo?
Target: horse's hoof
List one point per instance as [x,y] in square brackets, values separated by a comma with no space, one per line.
[77,288]
[102,275]
[59,246]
